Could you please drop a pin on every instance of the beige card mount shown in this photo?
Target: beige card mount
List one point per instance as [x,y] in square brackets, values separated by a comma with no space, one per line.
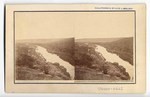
[75,48]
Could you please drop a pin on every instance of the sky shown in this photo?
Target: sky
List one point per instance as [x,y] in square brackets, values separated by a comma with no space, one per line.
[47,25]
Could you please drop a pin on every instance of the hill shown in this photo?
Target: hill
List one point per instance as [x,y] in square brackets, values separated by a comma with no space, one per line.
[93,40]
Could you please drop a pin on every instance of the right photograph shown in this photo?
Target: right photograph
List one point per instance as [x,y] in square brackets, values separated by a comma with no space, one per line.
[104,47]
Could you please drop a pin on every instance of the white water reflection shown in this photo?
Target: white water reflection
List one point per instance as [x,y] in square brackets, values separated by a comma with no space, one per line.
[110,57]
[55,58]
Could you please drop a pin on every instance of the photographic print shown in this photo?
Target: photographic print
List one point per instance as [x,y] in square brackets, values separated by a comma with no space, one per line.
[104,46]
[90,48]
[44,49]
[42,54]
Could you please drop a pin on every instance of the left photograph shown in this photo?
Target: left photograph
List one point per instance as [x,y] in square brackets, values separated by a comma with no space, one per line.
[42,51]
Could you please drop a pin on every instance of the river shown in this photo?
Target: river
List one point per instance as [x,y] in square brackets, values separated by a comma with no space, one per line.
[55,58]
[110,57]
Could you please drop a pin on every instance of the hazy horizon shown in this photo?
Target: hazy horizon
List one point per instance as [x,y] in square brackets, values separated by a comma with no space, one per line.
[74,38]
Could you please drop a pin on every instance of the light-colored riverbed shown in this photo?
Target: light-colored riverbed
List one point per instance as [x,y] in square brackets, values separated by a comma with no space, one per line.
[55,58]
[110,57]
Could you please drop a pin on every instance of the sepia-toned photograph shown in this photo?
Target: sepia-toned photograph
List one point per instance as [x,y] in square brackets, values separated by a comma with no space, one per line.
[44,49]
[74,46]
[104,47]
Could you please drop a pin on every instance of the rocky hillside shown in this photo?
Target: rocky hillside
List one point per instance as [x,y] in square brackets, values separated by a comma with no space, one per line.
[30,65]
[91,66]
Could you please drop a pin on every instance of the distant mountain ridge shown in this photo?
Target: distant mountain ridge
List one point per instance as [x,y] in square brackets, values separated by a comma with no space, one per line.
[89,40]
[44,40]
